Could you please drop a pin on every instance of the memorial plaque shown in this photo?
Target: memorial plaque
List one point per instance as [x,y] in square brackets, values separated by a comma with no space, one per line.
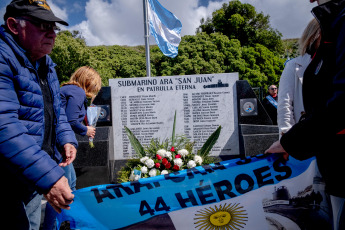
[202,103]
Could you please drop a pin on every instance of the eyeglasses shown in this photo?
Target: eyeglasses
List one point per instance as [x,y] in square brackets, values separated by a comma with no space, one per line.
[273,88]
[44,26]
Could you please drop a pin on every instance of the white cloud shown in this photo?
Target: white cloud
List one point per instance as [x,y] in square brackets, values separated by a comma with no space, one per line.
[120,22]
[60,13]
[289,17]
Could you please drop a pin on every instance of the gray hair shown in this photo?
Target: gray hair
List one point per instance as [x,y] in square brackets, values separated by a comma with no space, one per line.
[22,22]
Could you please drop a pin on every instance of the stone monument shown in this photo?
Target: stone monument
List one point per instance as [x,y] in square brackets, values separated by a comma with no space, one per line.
[147,107]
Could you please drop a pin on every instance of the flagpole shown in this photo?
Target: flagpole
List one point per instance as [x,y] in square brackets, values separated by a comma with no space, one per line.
[146,36]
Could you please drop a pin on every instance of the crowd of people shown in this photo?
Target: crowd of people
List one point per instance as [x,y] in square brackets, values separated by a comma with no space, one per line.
[38,120]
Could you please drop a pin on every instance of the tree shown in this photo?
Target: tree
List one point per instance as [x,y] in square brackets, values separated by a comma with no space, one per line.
[290,47]
[242,22]
[198,54]
[69,53]
[216,53]
[118,61]
[263,67]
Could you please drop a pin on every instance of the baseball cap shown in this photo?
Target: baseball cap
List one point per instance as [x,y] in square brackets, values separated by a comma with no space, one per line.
[38,9]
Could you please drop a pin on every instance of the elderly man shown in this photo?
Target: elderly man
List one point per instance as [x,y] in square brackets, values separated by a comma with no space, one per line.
[321,131]
[35,137]
[270,103]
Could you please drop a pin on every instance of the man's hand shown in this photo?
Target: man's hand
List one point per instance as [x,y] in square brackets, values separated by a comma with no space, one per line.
[68,155]
[276,147]
[60,195]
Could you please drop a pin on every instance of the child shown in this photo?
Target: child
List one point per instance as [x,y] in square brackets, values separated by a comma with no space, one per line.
[85,83]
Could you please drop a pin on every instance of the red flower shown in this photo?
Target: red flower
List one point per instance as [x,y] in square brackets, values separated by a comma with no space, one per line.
[157,165]
[165,161]
[158,157]
[172,149]
[178,156]
[176,167]
[168,165]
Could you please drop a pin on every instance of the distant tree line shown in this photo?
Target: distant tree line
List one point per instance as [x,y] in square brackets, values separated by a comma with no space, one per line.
[235,39]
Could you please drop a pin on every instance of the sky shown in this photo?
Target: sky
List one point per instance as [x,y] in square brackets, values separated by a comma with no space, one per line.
[120,22]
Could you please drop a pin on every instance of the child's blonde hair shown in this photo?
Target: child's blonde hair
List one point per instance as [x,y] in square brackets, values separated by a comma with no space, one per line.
[88,79]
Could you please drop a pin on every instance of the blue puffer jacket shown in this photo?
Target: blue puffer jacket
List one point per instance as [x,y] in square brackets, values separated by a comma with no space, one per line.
[73,100]
[22,119]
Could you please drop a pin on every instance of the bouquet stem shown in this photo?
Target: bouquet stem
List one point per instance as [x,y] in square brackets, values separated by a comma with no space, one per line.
[91,143]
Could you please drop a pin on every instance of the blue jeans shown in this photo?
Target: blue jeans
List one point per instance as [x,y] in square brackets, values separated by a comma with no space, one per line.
[49,222]
[71,176]
[338,208]
[33,211]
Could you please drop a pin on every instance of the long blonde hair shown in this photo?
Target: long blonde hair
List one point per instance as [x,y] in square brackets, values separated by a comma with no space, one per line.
[310,34]
[88,79]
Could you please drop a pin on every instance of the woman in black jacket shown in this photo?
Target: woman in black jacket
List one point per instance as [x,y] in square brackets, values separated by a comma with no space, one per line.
[321,132]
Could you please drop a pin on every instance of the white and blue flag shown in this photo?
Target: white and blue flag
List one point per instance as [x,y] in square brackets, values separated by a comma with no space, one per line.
[165,27]
[262,192]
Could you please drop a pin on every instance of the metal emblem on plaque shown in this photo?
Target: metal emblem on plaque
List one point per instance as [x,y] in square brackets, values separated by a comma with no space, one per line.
[248,107]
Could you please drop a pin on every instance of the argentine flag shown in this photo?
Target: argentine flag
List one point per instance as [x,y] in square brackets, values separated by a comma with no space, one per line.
[263,192]
[165,27]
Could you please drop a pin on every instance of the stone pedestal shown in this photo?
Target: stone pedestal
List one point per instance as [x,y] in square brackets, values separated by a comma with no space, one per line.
[256,130]
[92,165]
[255,139]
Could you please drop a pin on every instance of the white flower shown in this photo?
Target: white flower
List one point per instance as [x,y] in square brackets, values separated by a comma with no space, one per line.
[143,169]
[191,164]
[198,159]
[161,152]
[143,159]
[149,163]
[153,172]
[168,155]
[132,176]
[164,172]
[178,162]
[183,152]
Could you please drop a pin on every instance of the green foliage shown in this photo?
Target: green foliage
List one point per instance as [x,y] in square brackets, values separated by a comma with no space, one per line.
[208,145]
[242,22]
[120,61]
[173,132]
[216,53]
[198,54]
[291,48]
[138,148]
[125,172]
[165,157]
[69,53]
[181,141]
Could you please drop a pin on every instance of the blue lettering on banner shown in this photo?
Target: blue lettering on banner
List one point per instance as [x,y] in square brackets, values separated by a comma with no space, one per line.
[220,190]
[201,185]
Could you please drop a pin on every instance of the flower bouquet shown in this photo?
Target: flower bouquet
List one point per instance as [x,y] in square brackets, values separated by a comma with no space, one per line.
[92,114]
[172,154]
